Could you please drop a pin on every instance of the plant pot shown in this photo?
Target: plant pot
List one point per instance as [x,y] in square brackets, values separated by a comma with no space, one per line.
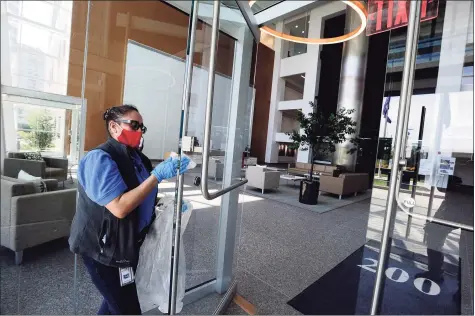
[309,192]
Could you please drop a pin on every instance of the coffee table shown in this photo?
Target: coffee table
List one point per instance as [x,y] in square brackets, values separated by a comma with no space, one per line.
[292,178]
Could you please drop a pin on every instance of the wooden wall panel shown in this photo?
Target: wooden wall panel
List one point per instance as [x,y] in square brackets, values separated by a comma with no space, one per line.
[112,23]
[263,85]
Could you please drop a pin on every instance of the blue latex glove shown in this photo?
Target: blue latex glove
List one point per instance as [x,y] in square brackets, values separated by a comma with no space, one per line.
[167,168]
[184,207]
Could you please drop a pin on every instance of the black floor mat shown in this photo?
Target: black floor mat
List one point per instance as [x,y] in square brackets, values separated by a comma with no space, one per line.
[347,289]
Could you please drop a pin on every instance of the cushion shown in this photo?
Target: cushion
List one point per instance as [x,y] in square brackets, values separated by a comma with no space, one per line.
[336,173]
[301,165]
[18,187]
[53,172]
[330,169]
[37,181]
[318,168]
[16,155]
[33,156]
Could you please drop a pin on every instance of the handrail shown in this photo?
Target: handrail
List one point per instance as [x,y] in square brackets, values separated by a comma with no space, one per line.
[410,203]
[209,112]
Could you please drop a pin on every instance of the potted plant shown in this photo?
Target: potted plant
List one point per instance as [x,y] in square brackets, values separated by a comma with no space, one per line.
[320,134]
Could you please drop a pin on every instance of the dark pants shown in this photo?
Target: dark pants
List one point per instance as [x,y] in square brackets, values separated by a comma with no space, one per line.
[118,300]
[436,236]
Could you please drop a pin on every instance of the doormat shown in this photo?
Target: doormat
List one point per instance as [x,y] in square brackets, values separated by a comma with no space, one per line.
[347,289]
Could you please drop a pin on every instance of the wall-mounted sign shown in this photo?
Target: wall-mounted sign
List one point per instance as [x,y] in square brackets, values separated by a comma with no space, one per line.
[384,15]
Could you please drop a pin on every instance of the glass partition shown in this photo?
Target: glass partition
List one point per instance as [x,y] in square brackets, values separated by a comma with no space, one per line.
[211,233]
[294,86]
[296,27]
[58,54]
[43,129]
[136,52]
[433,259]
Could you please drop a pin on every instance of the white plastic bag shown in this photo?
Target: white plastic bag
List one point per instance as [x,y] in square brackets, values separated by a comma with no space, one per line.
[153,271]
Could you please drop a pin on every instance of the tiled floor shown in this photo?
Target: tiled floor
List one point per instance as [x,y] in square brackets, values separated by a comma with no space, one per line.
[282,249]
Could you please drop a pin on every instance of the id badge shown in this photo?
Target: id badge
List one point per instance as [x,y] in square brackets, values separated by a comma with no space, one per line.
[126,276]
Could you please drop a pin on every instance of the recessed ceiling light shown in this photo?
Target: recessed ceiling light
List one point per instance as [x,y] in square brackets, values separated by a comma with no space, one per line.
[296,26]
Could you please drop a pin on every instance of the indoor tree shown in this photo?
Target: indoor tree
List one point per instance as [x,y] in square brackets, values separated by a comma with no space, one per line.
[42,132]
[320,134]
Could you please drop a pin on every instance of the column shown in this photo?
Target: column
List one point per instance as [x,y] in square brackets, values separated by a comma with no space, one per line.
[352,79]
[277,93]
[312,73]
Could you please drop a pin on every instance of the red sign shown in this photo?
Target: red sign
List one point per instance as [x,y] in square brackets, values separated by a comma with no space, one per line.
[387,15]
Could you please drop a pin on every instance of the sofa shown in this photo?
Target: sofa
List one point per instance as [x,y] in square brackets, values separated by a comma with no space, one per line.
[29,218]
[262,178]
[302,169]
[344,184]
[48,168]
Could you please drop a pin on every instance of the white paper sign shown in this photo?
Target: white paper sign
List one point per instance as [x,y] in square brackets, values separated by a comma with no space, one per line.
[446,165]
[425,167]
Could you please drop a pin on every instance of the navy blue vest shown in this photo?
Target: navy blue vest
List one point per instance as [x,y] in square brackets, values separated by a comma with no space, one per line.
[95,231]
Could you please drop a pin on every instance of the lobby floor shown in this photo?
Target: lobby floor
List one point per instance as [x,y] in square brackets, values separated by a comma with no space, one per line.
[282,249]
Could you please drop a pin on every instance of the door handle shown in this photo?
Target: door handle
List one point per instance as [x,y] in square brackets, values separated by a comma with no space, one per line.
[409,203]
[209,112]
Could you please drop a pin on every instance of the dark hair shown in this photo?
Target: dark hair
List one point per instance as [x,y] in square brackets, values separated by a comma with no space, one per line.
[117,112]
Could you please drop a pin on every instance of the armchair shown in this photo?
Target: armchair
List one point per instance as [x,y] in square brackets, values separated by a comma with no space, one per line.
[29,218]
[48,168]
[261,178]
[346,183]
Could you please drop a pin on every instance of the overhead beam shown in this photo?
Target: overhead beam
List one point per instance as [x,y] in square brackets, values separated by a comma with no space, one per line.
[230,20]
[281,10]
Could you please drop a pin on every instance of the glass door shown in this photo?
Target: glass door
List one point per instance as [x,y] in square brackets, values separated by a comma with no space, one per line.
[428,261]
[214,131]
[405,249]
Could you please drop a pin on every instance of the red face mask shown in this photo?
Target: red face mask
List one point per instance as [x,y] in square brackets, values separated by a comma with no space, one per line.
[130,138]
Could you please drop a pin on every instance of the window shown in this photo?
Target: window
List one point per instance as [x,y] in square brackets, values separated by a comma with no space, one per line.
[289,121]
[294,86]
[14,7]
[39,128]
[297,27]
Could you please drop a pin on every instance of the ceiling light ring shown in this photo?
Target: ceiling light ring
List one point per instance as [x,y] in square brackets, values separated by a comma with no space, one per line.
[358,6]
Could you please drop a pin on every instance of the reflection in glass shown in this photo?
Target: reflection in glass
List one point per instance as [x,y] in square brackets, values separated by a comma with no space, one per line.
[35,45]
[439,153]
[262,5]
